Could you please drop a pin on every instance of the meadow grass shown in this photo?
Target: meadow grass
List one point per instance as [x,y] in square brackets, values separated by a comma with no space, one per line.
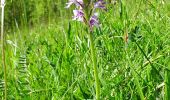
[48,56]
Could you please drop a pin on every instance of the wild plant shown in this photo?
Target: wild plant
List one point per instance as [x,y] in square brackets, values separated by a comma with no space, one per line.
[86,12]
[23,75]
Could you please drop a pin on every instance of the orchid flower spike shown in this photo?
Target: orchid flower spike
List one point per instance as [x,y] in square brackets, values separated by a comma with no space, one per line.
[80,12]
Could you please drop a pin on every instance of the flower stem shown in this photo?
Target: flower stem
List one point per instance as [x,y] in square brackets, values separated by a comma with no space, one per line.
[3,50]
[94,60]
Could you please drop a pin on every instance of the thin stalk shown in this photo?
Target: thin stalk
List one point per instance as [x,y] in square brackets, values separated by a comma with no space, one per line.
[23,4]
[139,88]
[167,84]
[94,60]
[136,80]
[146,57]
[167,70]
[3,48]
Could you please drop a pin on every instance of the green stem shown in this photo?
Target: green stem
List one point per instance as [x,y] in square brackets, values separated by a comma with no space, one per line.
[167,87]
[139,88]
[167,70]
[93,55]
[3,49]
[136,80]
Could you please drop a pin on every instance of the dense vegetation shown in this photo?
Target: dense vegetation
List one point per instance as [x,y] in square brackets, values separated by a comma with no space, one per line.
[48,54]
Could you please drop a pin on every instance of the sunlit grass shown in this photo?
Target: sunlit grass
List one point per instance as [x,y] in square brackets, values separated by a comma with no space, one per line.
[49,57]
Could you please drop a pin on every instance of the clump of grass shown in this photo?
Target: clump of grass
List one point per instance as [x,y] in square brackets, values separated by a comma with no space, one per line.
[54,66]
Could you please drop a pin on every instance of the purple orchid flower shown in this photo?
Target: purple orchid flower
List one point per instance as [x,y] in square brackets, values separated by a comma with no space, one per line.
[100,4]
[94,20]
[76,2]
[78,15]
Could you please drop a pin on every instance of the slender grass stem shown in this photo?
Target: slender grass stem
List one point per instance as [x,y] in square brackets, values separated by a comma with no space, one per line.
[3,48]
[139,88]
[167,84]
[146,57]
[136,80]
[93,56]
[167,72]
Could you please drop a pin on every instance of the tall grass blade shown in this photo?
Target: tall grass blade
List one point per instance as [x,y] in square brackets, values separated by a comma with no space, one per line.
[3,48]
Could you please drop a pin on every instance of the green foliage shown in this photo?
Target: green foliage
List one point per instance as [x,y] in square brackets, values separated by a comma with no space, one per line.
[27,13]
[48,57]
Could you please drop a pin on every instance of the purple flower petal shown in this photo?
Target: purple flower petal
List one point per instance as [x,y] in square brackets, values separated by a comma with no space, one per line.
[100,4]
[78,15]
[94,20]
